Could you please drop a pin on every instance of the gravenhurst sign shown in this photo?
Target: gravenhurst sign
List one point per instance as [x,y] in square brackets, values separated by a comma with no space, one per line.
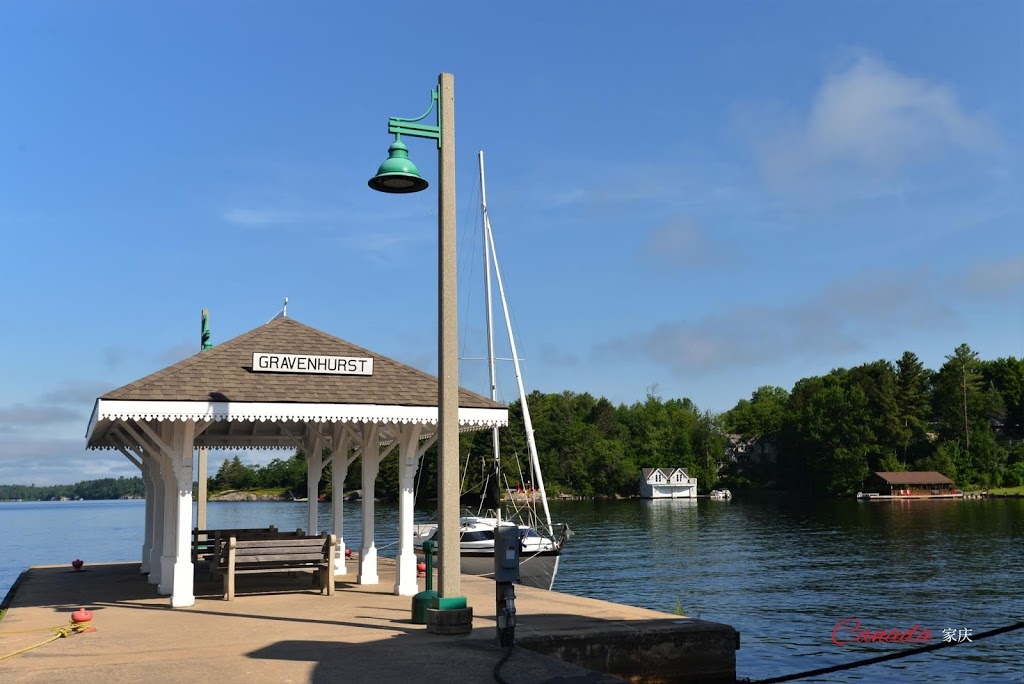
[306,363]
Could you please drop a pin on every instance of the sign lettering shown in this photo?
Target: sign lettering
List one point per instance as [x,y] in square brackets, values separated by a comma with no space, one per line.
[307,363]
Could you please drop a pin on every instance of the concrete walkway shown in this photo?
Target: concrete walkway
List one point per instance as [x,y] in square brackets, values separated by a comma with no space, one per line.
[280,629]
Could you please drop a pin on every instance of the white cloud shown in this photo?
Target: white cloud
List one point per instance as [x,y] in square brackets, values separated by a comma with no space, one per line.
[558,356]
[837,320]
[50,461]
[76,393]
[680,243]
[869,119]
[997,276]
[20,417]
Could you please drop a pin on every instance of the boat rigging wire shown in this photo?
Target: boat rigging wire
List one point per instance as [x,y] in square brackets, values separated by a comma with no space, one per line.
[889,656]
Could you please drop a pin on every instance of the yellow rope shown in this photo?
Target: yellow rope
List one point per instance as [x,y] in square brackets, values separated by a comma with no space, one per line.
[27,631]
[59,632]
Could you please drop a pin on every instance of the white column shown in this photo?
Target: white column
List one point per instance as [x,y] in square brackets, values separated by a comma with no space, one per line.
[169,525]
[314,469]
[339,471]
[408,455]
[159,475]
[371,463]
[182,591]
[147,544]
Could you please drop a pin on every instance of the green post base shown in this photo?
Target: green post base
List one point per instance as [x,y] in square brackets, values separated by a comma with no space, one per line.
[449,602]
[421,602]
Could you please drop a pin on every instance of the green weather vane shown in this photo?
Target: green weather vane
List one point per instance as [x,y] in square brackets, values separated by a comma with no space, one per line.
[204,335]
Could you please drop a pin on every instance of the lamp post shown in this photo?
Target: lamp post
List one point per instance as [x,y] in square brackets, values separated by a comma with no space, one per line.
[399,175]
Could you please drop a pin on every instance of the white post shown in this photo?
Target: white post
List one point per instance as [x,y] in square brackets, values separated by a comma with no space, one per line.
[201,488]
[371,464]
[158,471]
[408,455]
[182,590]
[147,545]
[169,525]
[314,469]
[339,471]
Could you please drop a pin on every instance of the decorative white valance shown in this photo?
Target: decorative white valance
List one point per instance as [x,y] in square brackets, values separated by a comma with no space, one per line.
[109,410]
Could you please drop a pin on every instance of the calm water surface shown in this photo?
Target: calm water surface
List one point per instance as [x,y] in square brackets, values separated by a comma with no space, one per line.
[782,571]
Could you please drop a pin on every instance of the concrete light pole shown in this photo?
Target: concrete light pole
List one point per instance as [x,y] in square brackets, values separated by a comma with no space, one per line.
[399,175]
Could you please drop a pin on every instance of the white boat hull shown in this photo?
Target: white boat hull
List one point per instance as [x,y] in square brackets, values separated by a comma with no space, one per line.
[536,570]
[538,555]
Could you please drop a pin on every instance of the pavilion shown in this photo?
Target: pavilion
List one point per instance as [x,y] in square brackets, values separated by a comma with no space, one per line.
[283,385]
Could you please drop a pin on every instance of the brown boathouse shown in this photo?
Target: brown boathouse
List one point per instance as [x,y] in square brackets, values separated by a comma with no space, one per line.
[913,483]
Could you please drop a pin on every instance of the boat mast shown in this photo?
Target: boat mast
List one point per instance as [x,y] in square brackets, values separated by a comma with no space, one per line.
[531,443]
[496,465]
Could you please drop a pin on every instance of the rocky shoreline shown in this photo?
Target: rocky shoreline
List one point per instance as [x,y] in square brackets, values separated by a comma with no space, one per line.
[248,496]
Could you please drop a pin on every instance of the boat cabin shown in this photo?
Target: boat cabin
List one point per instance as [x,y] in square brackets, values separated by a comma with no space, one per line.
[667,483]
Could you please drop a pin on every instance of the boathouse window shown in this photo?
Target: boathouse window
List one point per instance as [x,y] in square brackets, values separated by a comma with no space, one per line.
[657,477]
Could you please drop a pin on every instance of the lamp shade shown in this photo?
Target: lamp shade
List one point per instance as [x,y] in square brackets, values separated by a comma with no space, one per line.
[397,174]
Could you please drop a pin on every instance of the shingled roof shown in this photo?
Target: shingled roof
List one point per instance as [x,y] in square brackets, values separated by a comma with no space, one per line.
[224,373]
[926,477]
[220,385]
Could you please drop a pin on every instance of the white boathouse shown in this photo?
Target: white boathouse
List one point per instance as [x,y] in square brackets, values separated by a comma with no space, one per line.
[667,483]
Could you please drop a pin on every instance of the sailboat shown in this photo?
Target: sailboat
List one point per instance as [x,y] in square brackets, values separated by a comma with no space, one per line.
[540,546]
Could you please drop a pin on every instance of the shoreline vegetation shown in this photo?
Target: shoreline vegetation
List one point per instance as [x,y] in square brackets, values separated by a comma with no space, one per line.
[821,438]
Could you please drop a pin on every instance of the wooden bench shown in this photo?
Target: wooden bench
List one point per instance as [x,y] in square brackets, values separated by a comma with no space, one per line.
[280,554]
[217,545]
[204,542]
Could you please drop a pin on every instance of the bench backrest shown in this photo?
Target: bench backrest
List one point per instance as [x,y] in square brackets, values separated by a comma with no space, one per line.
[282,551]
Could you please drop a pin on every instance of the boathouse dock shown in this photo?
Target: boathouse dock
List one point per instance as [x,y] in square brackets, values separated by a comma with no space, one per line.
[285,631]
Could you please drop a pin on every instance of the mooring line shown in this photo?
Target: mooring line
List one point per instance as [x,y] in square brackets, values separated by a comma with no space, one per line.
[883,658]
[59,633]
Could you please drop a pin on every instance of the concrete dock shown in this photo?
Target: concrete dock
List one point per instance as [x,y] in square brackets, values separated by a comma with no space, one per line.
[280,629]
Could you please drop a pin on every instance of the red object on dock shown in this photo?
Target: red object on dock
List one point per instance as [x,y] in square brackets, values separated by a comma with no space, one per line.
[77,564]
[81,615]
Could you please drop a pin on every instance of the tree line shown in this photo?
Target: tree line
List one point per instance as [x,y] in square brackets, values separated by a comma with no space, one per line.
[105,488]
[824,436]
[829,432]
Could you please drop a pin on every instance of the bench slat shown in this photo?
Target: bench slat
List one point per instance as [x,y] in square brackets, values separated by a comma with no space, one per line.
[281,554]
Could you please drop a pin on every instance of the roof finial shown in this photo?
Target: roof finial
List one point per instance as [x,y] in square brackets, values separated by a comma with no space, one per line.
[283,313]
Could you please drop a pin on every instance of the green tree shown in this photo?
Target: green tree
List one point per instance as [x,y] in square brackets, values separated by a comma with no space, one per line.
[964,408]
[912,402]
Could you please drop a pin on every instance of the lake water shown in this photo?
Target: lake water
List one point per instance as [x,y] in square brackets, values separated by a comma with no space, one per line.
[784,572]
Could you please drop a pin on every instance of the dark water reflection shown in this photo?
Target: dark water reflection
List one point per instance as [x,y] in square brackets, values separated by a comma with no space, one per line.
[782,571]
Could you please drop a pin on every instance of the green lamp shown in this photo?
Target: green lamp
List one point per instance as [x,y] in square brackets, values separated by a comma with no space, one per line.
[397,174]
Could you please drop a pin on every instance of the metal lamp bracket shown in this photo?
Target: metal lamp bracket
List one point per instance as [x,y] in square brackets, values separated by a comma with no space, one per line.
[400,126]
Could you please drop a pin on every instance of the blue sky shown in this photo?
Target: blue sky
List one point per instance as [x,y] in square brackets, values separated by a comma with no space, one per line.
[705,197]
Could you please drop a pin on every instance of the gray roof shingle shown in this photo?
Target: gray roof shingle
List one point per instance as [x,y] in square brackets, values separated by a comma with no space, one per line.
[224,373]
